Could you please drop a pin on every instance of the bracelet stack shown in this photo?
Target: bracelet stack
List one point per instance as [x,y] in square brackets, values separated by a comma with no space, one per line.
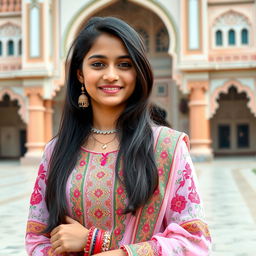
[98,241]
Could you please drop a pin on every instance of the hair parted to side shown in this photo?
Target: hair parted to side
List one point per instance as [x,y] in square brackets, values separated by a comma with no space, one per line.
[136,138]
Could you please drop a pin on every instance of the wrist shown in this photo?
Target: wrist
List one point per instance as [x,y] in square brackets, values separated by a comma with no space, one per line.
[97,241]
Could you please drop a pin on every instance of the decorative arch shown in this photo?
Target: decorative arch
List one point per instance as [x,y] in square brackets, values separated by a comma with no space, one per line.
[10,29]
[94,6]
[19,98]
[233,17]
[214,105]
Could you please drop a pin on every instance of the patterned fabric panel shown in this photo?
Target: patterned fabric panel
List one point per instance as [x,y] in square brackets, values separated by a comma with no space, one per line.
[141,249]
[164,154]
[98,191]
[76,190]
[197,228]
[36,228]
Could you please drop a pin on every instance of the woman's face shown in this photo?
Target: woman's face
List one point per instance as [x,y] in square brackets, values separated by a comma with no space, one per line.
[108,73]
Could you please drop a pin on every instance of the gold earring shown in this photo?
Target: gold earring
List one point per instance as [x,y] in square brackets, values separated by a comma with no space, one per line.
[83,101]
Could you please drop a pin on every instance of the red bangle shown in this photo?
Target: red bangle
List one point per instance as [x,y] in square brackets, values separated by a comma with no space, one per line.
[99,241]
[124,249]
[88,242]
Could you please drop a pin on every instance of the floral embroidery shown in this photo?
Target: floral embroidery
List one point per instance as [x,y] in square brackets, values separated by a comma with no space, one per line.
[76,193]
[36,196]
[120,201]
[100,175]
[193,196]
[78,212]
[146,228]
[119,212]
[178,203]
[164,155]
[117,231]
[36,228]
[150,210]
[120,190]
[98,213]
[82,163]
[98,191]
[77,180]
[47,251]
[79,176]
[197,228]
[142,249]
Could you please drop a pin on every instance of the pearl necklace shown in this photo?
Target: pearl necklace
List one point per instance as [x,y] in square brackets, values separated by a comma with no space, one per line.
[97,131]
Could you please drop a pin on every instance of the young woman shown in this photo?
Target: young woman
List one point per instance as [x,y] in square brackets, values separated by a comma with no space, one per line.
[113,182]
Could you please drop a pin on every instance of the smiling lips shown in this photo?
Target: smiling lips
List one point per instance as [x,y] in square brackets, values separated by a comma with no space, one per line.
[110,89]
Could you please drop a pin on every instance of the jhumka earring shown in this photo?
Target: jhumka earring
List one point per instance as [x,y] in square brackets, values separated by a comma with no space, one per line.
[83,101]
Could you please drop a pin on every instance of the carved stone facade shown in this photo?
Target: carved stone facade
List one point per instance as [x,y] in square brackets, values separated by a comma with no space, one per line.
[201,58]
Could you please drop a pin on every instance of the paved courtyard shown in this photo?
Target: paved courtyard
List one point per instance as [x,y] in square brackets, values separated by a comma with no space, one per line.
[228,187]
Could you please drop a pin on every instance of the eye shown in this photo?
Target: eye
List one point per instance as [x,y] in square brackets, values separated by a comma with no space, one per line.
[98,65]
[125,65]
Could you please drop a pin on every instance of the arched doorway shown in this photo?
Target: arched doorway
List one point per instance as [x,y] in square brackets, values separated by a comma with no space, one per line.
[233,126]
[12,129]
[157,40]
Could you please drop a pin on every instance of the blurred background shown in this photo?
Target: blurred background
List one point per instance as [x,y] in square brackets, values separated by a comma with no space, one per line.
[203,53]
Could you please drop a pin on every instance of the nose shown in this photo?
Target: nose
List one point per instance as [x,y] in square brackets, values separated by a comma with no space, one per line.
[110,75]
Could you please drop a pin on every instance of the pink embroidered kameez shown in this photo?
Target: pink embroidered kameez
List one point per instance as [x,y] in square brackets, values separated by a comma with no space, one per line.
[171,223]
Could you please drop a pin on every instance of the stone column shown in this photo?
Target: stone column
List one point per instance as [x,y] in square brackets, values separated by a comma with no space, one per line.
[48,120]
[36,127]
[199,124]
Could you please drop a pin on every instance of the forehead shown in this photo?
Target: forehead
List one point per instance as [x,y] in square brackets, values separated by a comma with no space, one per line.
[108,45]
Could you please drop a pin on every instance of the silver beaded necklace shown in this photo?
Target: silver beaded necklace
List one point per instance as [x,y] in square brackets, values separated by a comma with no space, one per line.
[97,131]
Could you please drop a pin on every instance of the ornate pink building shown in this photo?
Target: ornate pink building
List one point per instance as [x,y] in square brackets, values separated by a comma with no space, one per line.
[203,53]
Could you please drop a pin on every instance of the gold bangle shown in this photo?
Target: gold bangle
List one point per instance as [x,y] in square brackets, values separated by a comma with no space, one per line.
[106,241]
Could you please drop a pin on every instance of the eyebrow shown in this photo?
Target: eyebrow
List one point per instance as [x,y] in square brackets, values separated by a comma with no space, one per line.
[105,57]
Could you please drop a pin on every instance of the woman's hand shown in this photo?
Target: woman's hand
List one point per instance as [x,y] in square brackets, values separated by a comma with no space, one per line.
[70,237]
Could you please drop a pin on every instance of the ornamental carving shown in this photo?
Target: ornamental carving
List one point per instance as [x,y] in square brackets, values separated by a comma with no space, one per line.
[10,30]
[214,105]
[21,101]
[231,18]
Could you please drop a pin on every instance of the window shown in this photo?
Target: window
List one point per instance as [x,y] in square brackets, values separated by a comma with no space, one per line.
[219,41]
[231,37]
[145,37]
[244,36]
[243,136]
[162,90]
[224,136]
[1,49]
[162,40]
[10,48]
[20,47]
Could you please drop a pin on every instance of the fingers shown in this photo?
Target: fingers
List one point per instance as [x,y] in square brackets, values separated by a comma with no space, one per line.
[54,238]
[55,230]
[56,244]
[59,250]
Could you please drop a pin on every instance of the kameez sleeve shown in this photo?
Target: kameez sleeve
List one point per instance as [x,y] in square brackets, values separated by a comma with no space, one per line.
[37,242]
[183,231]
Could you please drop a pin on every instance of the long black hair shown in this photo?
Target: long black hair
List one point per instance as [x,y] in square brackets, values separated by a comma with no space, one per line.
[135,125]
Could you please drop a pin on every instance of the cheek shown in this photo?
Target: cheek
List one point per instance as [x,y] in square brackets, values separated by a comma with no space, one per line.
[131,79]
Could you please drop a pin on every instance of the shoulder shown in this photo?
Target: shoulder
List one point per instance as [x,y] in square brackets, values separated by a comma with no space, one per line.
[49,147]
[163,134]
